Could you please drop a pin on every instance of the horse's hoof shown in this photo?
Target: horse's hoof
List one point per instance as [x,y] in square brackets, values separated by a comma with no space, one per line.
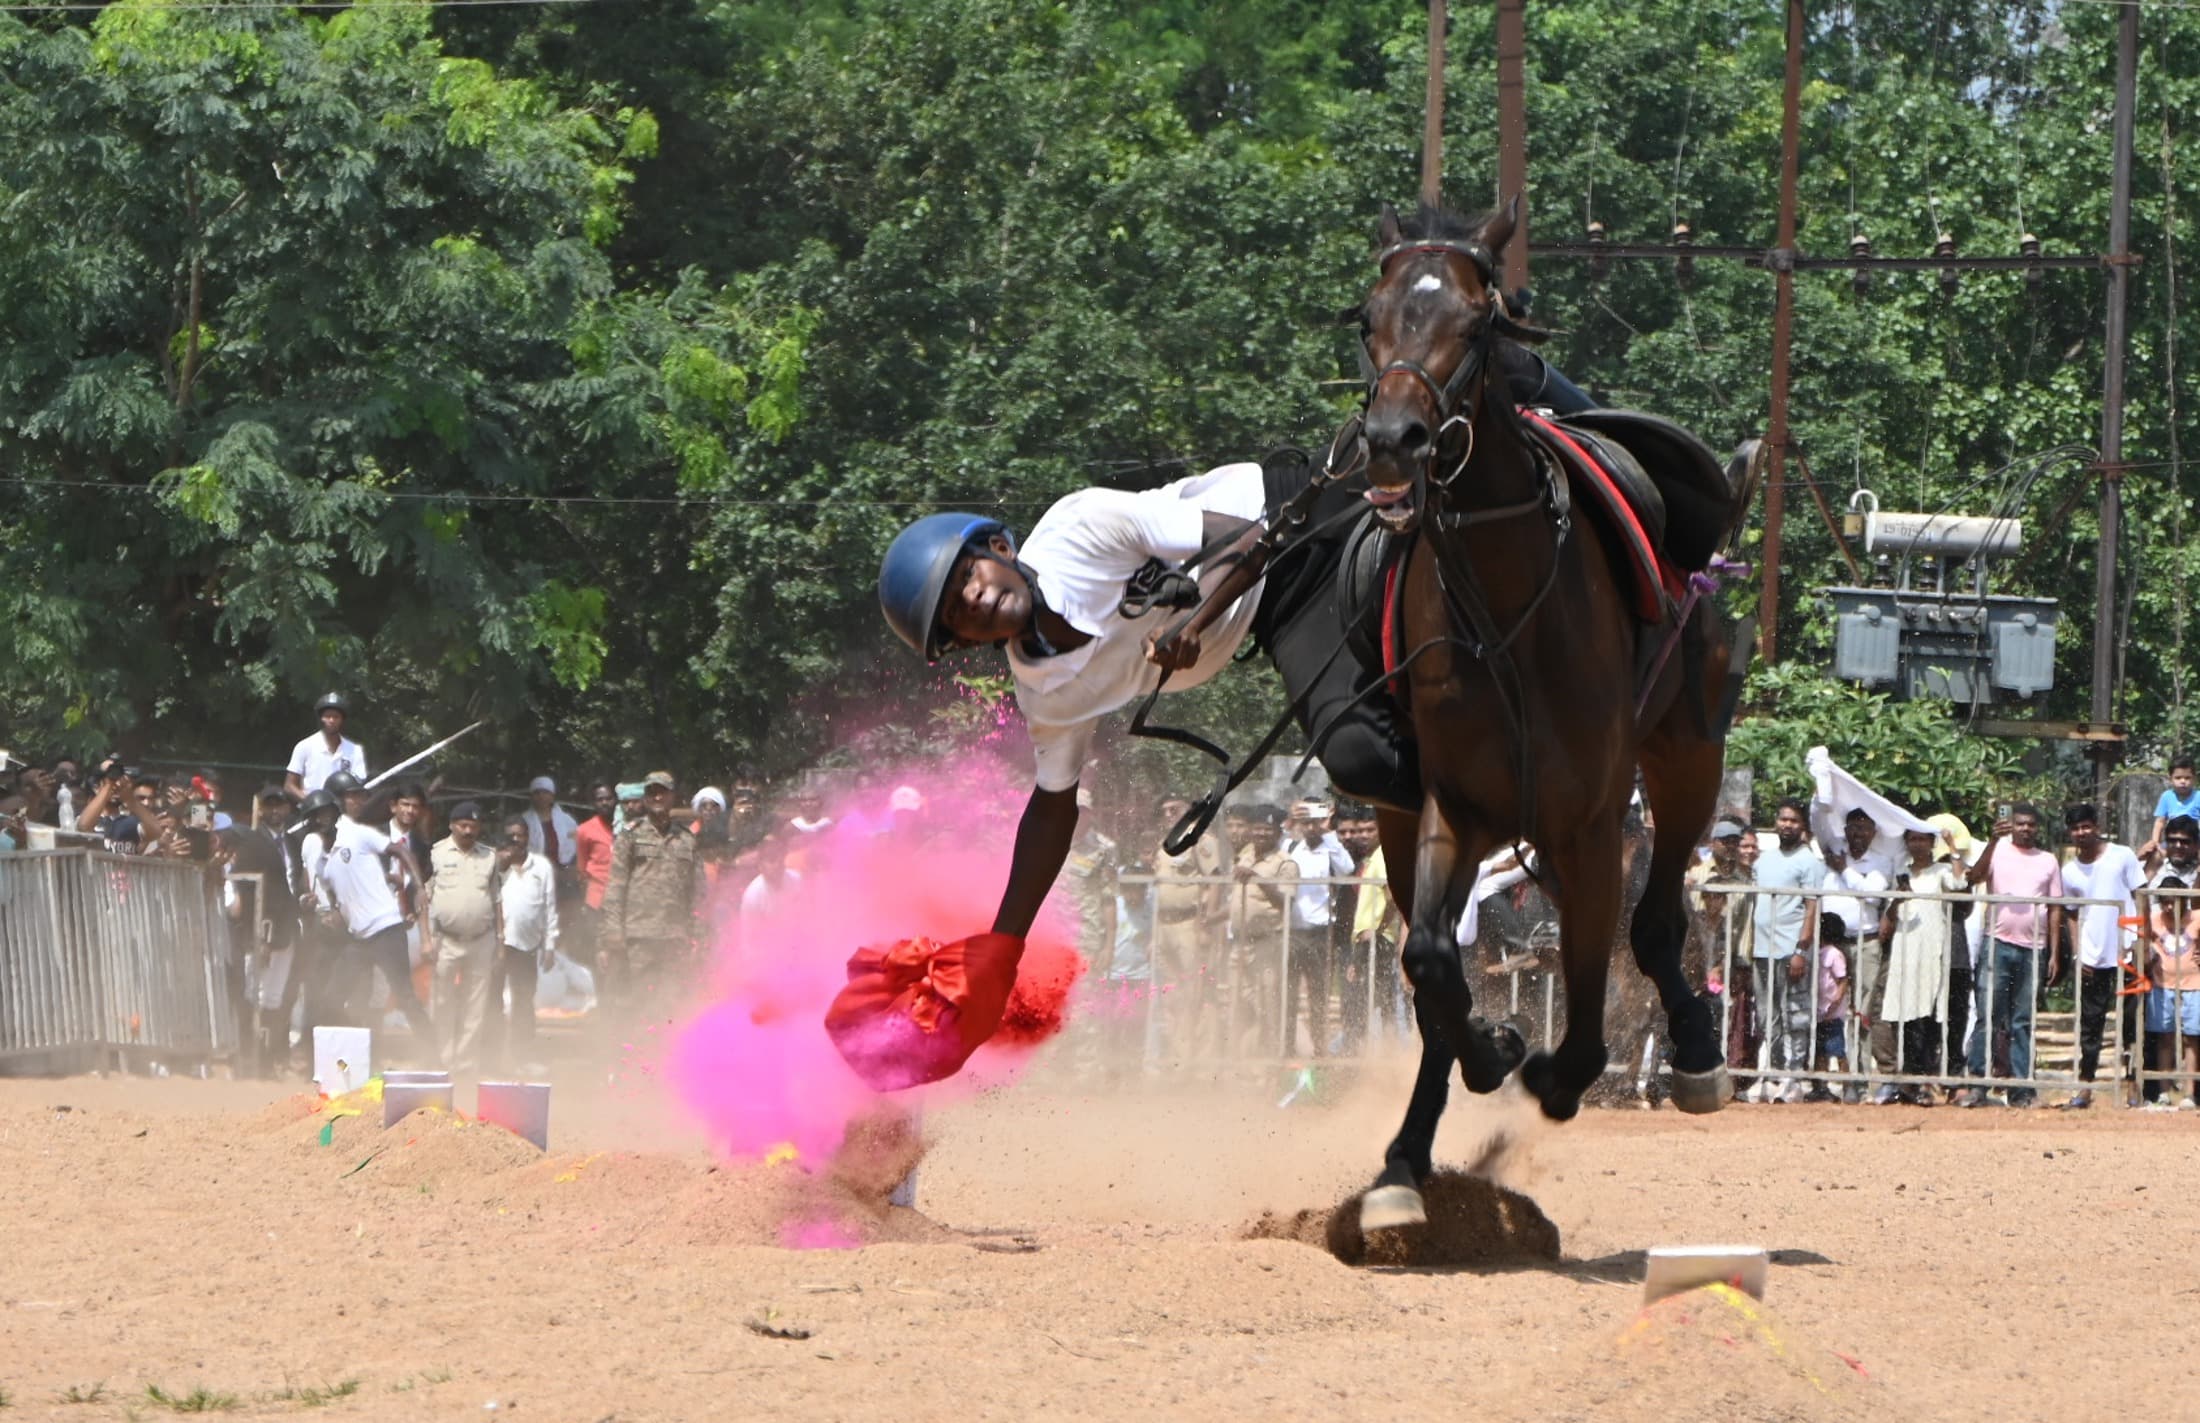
[1539,1074]
[1512,1048]
[1702,1093]
[1391,1208]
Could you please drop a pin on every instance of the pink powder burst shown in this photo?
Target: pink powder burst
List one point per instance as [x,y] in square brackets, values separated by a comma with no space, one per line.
[755,1065]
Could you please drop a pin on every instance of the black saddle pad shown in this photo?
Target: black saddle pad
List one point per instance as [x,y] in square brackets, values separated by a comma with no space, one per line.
[1698,501]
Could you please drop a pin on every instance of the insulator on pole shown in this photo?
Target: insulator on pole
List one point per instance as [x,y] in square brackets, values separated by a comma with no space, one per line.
[1860,247]
[1950,278]
[2029,245]
[1596,250]
[1684,265]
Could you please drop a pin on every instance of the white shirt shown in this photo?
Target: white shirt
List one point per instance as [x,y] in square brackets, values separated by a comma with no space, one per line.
[1865,873]
[352,873]
[565,826]
[1083,551]
[1326,858]
[2113,875]
[313,763]
[528,894]
[762,896]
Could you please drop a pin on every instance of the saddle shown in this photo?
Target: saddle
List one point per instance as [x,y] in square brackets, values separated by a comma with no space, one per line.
[1656,489]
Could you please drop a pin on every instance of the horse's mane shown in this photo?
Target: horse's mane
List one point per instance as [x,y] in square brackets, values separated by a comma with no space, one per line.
[1429,223]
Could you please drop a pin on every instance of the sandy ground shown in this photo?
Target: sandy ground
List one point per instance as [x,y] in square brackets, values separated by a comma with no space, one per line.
[1077,1255]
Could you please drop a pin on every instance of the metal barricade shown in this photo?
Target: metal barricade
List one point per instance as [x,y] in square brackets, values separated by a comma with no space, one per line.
[1984,1025]
[1234,1002]
[111,960]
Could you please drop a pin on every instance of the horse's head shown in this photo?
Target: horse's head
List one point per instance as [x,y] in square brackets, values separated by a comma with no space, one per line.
[1427,329]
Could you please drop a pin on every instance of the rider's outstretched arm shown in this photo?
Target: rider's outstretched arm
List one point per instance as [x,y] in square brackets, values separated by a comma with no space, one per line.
[1042,845]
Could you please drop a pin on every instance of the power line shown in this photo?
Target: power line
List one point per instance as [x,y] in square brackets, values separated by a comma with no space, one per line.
[423,496]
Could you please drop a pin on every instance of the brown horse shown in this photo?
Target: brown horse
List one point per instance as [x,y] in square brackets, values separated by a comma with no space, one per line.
[1534,689]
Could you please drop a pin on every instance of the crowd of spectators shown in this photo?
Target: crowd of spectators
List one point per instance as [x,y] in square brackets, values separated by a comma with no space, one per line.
[434,910]
[1851,948]
[1856,948]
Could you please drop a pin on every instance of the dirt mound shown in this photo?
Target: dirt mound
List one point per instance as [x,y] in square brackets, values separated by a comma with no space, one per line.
[1715,1353]
[1471,1221]
[276,1115]
[434,1148]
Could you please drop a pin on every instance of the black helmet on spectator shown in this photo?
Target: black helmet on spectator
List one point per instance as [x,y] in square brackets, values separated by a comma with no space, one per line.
[343,783]
[332,701]
[316,802]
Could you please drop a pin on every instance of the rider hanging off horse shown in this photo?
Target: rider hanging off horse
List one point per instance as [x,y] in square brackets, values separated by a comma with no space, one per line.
[1485,605]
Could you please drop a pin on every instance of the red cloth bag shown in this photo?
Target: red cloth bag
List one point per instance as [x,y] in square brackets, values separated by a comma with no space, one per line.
[914,1011]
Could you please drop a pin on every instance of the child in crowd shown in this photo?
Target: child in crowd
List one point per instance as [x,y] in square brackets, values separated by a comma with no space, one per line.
[2182,798]
[1832,1000]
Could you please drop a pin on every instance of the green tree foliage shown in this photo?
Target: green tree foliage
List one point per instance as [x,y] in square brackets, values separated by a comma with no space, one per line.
[712,298]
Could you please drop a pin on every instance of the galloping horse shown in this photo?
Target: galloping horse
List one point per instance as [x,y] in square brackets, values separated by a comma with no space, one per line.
[1542,659]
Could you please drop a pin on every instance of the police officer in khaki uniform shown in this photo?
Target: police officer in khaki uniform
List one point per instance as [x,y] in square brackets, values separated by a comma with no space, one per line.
[1187,915]
[462,935]
[653,901]
[1258,903]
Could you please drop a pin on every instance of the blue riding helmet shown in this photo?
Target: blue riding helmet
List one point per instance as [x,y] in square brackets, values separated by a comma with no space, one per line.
[912,578]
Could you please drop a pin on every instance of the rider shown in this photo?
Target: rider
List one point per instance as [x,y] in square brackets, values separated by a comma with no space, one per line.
[1059,603]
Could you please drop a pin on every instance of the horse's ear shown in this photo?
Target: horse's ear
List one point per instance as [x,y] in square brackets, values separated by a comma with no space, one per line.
[1498,230]
[1387,232]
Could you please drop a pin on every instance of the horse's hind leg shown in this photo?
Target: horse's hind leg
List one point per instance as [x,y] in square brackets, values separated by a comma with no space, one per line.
[1681,774]
[1444,866]
[1586,869]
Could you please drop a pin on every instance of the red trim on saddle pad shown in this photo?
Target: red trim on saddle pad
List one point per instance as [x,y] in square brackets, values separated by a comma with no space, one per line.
[1655,579]
[1390,626]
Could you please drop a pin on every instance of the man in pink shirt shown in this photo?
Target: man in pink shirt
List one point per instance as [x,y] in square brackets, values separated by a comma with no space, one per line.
[2010,976]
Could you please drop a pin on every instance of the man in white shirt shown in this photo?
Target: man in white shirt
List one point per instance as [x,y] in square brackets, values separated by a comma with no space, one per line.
[1320,855]
[1785,925]
[327,751]
[1079,608]
[354,881]
[550,830]
[528,895]
[2100,869]
[1866,873]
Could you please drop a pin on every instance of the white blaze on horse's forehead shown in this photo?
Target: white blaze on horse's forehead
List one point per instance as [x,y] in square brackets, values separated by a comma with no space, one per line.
[1429,283]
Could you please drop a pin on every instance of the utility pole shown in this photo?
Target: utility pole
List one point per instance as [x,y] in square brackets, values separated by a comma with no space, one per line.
[2111,465]
[1783,330]
[1512,133]
[1432,122]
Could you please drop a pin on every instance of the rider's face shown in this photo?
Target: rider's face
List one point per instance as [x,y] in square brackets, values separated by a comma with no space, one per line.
[987,599]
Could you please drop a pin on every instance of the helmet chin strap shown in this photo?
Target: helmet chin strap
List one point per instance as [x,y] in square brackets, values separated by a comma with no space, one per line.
[1034,638]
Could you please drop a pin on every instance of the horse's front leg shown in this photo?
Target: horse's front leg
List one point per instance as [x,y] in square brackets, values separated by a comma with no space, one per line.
[1395,1198]
[1445,862]
[1586,871]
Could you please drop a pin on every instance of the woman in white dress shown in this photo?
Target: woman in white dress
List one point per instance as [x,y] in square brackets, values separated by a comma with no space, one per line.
[1919,933]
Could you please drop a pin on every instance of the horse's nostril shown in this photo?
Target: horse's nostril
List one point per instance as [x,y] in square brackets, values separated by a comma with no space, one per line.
[1413,438]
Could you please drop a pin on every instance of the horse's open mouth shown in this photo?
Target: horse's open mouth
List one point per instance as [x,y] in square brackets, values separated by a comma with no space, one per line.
[1394,506]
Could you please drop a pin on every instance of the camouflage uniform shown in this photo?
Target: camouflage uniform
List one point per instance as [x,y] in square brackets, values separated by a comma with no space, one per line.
[1090,871]
[652,906]
[1257,911]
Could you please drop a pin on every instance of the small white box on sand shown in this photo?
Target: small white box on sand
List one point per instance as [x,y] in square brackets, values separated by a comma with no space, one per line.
[1675,1268]
[343,1059]
[522,1108]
